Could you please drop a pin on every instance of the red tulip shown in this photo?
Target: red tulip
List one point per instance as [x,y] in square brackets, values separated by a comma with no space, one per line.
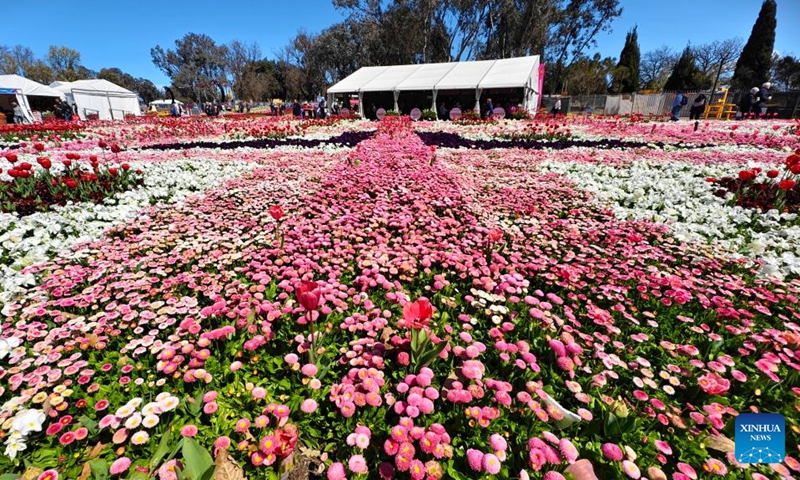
[112,171]
[115,148]
[126,167]
[795,169]
[418,314]
[71,183]
[25,166]
[276,212]
[773,173]
[102,144]
[92,158]
[45,163]
[38,146]
[746,175]
[787,184]
[11,157]
[495,235]
[308,295]
[66,163]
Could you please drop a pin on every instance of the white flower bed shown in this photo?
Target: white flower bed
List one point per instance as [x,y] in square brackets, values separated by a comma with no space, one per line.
[35,238]
[676,193]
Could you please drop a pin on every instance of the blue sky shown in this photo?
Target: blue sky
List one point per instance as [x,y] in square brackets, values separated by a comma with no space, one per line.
[117,36]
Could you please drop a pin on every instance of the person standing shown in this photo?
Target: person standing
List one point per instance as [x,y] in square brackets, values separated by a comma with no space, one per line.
[489,108]
[763,97]
[677,104]
[19,114]
[556,107]
[698,107]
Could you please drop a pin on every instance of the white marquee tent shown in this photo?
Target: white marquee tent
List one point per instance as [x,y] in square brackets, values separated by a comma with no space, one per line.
[22,88]
[507,73]
[101,97]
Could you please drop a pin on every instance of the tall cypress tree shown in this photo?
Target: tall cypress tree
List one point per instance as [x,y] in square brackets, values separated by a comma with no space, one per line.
[626,75]
[685,75]
[752,68]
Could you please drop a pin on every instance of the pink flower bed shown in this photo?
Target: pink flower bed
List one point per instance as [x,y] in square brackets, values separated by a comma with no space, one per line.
[405,313]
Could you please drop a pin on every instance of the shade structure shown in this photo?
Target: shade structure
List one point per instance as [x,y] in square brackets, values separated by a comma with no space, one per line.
[354,82]
[477,76]
[427,75]
[23,88]
[101,97]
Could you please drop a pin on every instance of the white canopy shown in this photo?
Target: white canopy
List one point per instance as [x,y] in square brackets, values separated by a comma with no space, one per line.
[101,97]
[23,88]
[520,72]
[163,101]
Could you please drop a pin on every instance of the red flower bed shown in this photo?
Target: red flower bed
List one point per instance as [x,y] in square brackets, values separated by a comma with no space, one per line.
[66,130]
[31,191]
[775,189]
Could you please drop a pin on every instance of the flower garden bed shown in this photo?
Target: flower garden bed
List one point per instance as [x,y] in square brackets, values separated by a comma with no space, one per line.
[402,309]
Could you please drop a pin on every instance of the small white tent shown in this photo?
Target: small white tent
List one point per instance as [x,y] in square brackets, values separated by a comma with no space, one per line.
[101,97]
[22,88]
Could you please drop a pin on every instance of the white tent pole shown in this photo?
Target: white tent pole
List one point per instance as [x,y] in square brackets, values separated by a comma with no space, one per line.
[435,110]
[110,107]
[478,100]
[396,96]
[361,104]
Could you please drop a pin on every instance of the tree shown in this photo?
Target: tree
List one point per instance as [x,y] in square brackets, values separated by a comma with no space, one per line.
[196,66]
[626,73]
[752,68]
[141,86]
[16,60]
[66,64]
[787,73]
[574,28]
[685,75]
[656,67]
[589,76]
[716,60]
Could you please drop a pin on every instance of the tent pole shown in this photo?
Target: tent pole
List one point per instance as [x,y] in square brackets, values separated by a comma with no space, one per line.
[110,108]
[361,104]
[435,110]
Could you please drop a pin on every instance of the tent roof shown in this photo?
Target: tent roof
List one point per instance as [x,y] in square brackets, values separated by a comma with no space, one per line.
[503,73]
[465,75]
[165,100]
[509,73]
[355,81]
[428,74]
[95,85]
[389,78]
[28,87]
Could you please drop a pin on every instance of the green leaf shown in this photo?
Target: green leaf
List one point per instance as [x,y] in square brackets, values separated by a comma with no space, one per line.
[99,469]
[9,476]
[90,424]
[163,449]
[197,460]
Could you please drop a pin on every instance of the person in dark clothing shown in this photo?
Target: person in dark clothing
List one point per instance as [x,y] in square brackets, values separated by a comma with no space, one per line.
[698,107]
[763,98]
[749,102]
[489,108]
[297,109]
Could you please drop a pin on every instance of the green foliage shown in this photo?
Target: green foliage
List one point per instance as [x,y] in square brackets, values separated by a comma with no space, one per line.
[626,74]
[198,464]
[753,66]
[428,115]
[685,75]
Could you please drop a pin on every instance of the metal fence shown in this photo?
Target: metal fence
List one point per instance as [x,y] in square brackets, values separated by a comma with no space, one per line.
[785,104]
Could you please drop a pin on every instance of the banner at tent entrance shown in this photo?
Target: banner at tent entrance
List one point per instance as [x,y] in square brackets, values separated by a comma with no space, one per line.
[541,84]
[9,91]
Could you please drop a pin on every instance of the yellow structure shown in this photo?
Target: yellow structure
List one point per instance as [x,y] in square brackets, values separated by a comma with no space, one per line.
[721,109]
